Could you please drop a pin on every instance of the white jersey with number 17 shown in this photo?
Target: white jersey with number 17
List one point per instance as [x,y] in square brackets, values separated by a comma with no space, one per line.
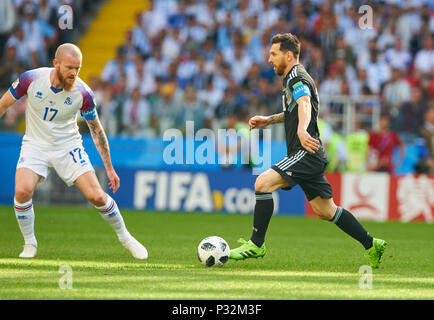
[51,113]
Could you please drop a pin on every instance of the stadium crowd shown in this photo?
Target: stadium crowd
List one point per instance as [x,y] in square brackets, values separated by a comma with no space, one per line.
[207,61]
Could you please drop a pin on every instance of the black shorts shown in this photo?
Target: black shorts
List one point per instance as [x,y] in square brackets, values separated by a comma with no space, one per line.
[306,170]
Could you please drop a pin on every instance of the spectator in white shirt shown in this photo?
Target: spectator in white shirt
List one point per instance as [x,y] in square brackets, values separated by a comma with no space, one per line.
[396,92]
[195,31]
[268,17]
[378,72]
[424,61]
[210,97]
[116,68]
[240,64]
[398,57]
[172,44]
[153,20]
[158,65]
[140,39]
[333,82]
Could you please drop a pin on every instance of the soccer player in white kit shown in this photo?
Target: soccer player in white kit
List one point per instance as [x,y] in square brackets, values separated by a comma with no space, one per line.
[52,140]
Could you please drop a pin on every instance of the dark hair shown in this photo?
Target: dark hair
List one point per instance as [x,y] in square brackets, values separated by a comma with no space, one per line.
[288,42]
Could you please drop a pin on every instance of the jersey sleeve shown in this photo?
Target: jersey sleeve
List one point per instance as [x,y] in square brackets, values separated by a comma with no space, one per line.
[21,85]
[88,109]
[299,88]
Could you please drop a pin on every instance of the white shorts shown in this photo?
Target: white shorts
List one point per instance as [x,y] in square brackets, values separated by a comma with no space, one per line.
[69,163]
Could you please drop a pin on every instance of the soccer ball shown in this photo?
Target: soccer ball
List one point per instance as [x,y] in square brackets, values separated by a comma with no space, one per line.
[213,251]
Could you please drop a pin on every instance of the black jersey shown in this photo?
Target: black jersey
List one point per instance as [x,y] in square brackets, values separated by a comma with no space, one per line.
[298,83]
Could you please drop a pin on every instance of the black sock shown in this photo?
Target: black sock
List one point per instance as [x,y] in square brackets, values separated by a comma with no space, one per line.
[349,224]
[263,212]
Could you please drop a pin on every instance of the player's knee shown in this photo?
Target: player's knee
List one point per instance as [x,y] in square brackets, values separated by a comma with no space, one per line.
[323,212]
[98,198]
[261,185]
[23,194]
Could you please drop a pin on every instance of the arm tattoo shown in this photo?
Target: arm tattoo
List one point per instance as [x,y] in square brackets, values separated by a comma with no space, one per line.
[100,139]
[277,118]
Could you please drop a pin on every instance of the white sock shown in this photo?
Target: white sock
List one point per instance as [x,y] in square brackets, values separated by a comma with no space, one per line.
[26,220]
[112,215]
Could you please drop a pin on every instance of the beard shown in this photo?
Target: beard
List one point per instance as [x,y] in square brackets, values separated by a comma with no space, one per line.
[64,81]
[280,69]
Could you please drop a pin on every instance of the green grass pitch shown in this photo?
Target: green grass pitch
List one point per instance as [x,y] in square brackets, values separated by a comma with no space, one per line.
[306,259]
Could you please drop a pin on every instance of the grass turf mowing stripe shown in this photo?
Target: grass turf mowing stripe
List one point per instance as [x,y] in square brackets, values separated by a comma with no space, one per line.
[306,259]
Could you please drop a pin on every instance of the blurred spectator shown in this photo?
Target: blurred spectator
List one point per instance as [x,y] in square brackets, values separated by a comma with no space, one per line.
[145,80]
[178,20]
[334,144]
[139,38]
[269,16]
[332,83]
[172,44]
[427,132]
[424,60]
[398,57]
[157,65]
[382,144]
[194,31]
[190,108]
[130,49]
[7,21]
[47,12]
[252,37]
[136,115]
[388,37]
[228,105]
[153,20]
[240,64]
[343,50]
[38,34]
[118,67]
[325,30]
[210,97]
[163,109]
[24,51]
[205,14]
[316,67]
[413,113]
[396,92]
[378,72]
[187,69]
[359,86]
[10,67]
[357,147]
[106,108]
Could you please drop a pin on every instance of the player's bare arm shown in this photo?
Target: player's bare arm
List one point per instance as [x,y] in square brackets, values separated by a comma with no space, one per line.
[304,116]
[263,121]
[101,143]
[5,102]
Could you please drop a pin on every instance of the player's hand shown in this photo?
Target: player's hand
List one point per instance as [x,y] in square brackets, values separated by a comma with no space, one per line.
[310,144]
[258,122]
[114,181]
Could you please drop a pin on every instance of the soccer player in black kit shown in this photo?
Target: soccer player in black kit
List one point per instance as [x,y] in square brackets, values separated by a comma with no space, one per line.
[306,158]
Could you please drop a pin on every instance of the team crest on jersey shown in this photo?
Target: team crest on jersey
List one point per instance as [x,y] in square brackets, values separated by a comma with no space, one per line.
[38,95]
[68,101]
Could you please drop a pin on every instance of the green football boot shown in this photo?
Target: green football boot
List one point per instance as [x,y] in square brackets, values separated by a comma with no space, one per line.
[375,253]
[247,250]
